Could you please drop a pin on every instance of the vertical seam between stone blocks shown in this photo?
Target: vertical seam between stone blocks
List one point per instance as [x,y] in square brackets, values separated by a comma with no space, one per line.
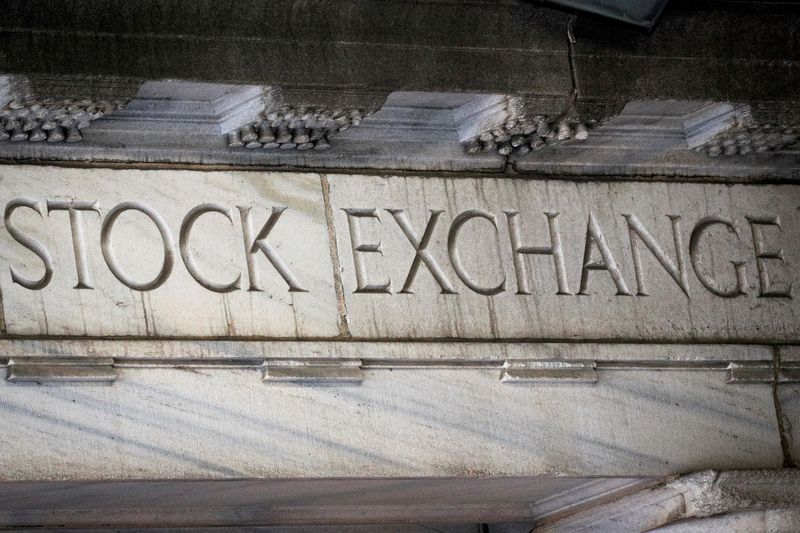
[341,304]
[788,461]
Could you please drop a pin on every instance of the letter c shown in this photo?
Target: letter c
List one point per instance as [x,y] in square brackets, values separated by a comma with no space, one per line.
[455,258]
[188,260]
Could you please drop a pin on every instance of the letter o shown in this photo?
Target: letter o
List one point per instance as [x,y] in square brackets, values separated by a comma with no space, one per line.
[108,251]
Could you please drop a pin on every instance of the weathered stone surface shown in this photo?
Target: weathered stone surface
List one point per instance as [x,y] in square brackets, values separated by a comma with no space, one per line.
[653,138]
[643,511]
[226,423]
[189,122]
[717,260]
[699,49]
[260,303]
[711,493]
[246,502]
[738,500]
[787,397]
[388,353]
[482,289]
[770,520]
[172,113]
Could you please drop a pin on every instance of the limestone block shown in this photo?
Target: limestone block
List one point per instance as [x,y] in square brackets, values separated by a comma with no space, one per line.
[137,256]
[226,423]
[276,255]
[770,520]
[543,259]
[173,113]
[387,354]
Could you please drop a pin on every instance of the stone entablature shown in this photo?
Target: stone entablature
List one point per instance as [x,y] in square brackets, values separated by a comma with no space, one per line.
[307,255]
[221,324]
[187,122]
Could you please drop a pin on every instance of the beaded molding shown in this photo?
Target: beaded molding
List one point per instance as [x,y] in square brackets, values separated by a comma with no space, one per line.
[756,139]
[51,120]
[299,128]
[522,135]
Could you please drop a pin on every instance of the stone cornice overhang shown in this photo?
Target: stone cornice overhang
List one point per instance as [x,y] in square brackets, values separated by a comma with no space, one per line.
[744,51]
[183,123]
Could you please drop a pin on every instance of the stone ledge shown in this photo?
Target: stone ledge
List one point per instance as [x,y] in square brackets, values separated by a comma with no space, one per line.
[167,123]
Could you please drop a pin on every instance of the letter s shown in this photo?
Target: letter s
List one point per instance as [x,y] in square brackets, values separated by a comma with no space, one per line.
[30,243]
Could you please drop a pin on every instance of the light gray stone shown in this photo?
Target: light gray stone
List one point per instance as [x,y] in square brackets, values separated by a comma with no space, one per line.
[704,255]
[713,493]
[456,422]
[416,130]
[187,122]
[671,123]
[767,521]
[173,113]
[642,511]
[61,369]
[385,354]
[121,303]
[483,290]
[653,138]
[737,500]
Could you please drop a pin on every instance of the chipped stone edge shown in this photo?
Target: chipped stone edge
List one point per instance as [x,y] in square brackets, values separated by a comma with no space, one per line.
[700,494]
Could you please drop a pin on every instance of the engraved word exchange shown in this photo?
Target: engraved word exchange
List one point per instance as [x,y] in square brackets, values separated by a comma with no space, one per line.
[680,256]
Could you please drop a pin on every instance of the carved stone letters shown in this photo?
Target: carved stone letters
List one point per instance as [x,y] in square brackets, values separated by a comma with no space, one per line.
[431,256]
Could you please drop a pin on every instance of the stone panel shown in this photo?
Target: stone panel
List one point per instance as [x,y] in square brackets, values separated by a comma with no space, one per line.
[387,354]
[633,261]
[138,300]
[618,276]
[787,397]
[226,423]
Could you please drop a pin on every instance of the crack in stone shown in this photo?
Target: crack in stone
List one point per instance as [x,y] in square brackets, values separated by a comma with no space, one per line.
[788,460]
[3,330]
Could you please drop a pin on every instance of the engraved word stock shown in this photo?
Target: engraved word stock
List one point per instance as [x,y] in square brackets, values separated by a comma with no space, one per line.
[253,243]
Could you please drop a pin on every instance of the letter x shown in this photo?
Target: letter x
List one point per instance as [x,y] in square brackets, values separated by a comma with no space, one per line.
[422,254]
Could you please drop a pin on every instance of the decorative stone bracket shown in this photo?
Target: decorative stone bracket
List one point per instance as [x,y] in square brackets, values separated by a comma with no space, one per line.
[548,372]
[203,123]
[61,369]
[42,369]
[314,371]
[762,372]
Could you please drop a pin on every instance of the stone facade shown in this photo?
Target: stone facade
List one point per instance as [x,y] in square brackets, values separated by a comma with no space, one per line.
[248,303]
